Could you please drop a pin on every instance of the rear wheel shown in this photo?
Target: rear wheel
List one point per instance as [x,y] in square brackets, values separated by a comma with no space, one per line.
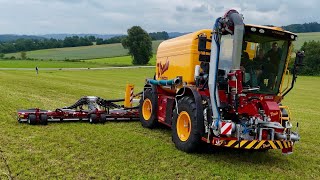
[148,109]
[185,128]
[93,118]
[32,119]
[43,119]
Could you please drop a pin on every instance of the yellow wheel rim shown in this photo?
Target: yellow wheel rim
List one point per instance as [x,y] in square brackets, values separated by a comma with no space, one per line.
[146,109]
[183,126]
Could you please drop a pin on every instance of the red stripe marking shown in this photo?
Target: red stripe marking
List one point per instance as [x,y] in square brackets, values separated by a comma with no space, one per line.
[227,130]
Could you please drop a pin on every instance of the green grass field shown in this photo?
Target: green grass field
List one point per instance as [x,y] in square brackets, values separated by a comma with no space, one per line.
[92,63]
[85,52]
[126,150]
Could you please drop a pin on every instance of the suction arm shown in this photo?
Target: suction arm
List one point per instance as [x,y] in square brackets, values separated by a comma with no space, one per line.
[230,23]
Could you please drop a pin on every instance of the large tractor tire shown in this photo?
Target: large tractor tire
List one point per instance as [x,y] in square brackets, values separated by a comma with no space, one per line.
[93,119]
[148,109]
[43,119]
[186,133]
[32,119]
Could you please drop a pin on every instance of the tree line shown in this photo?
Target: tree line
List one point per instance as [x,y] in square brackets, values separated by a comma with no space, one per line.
[22,44]
[113,40]
[118,39]
[36,44]
[301,28]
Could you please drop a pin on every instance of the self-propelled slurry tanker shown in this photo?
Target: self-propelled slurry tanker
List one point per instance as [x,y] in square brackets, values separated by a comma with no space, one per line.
[224,86]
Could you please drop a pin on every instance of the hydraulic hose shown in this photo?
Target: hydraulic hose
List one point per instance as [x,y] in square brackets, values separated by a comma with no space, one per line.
[164,82]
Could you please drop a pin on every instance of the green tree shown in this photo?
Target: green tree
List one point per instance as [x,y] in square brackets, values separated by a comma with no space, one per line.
[23,55]
[312,58]
[8,48]
[306,27]
[92,38]
[113,40]
[99,41]
[139,44]
[159,35]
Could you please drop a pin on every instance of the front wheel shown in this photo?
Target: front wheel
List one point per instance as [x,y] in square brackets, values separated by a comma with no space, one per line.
[148,109]
[185,128]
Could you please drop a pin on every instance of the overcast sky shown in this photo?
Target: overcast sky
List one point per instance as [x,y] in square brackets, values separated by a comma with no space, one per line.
[116,16]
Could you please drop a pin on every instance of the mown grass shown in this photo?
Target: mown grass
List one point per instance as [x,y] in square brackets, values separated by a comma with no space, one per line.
[85,52]
[125,149]
[92,63]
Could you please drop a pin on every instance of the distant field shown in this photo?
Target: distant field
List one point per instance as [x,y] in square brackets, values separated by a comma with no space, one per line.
[125,150]
[92,63]
[85,52]
[303,37]
[118,61]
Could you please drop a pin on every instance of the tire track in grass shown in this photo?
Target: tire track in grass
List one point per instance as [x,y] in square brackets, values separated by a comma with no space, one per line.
[4,159]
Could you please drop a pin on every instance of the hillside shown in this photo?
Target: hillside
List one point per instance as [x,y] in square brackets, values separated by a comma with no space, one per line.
[303,28]
[14,37]
[62,36]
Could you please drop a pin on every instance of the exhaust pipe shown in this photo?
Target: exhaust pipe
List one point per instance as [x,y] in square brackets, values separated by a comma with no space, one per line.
[280,136]
[293,136]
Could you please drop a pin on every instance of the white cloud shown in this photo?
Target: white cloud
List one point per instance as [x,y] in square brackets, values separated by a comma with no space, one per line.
[109,16]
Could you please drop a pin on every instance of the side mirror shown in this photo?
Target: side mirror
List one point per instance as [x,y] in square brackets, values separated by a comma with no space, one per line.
[202,43]
[299,58]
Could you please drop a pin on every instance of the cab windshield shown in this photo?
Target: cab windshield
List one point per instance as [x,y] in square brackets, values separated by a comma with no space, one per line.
[263,59]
